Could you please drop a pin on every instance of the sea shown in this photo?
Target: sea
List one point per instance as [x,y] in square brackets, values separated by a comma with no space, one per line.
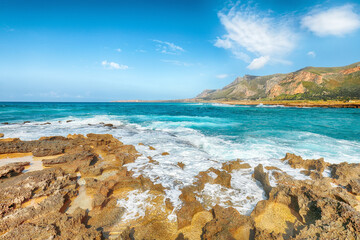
[200,135]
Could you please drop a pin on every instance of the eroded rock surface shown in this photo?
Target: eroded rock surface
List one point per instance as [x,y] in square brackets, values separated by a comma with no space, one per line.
[77,196]
[12,169]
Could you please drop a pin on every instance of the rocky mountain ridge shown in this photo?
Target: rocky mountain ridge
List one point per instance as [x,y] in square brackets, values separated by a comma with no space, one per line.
[310,83]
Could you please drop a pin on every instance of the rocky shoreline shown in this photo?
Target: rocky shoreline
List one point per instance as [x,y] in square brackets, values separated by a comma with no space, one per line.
[82,189]
[300,104]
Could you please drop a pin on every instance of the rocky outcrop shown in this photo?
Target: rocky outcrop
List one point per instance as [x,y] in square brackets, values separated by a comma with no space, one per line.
[78,197]
[228,224]
[12,169]
[294,161]
[39,148]
[234,165]
[347,175]
[263,178]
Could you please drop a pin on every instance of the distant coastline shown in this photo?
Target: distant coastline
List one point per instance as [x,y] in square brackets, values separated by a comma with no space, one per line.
[288,103]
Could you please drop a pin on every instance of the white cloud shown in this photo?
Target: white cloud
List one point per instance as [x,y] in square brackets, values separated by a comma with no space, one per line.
[168,47]
[114,65]
[177,63]
[222,76]
[258,62]
[118,50]
[311,54]
[336,21]
[248,32]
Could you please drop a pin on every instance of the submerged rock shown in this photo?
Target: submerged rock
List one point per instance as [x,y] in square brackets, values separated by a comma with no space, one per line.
[234,165]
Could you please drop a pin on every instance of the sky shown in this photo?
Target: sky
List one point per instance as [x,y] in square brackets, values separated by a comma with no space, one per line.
[106,50]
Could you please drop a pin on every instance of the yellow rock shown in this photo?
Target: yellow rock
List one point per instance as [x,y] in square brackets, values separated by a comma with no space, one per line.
[193,231]
[358,206]
[274,217]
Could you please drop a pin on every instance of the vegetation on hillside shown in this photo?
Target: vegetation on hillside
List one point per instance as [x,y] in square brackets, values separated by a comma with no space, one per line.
[347,88]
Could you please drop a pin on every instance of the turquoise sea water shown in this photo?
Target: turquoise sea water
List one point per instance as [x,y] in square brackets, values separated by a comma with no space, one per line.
[321,132]
[201,136]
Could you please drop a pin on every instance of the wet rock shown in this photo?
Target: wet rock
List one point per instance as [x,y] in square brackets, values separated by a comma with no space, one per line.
[151,148]
[298,162]
[234,165]
[12,169]
[312,174]
[227,224]
[147,184]
[5,123]
[108,125]
[1,135]
[272,168]
[165,153]
[181,165]
[69,121]
[263,178]
[26,122]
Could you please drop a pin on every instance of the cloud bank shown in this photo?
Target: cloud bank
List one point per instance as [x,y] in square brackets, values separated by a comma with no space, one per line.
[251,33]
[114,65]
[337,21]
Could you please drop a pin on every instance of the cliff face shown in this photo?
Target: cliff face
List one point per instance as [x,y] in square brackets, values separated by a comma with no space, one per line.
[307,83]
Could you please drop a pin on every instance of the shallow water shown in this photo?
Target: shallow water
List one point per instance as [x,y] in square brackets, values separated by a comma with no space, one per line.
[200,136]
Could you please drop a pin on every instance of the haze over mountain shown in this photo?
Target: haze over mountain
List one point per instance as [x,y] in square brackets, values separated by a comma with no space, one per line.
[310,83]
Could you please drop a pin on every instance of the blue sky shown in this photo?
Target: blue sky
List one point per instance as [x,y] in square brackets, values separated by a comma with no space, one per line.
[141,49]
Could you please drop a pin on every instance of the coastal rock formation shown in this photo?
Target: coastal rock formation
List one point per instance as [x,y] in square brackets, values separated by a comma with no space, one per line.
[87,192]
[12,169]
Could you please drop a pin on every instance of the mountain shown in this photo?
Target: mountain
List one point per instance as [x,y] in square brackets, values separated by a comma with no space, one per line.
[310,83]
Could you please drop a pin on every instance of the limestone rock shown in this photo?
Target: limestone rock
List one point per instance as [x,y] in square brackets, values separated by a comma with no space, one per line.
[227,224]
[12,169]
[298,162]
[263,178]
